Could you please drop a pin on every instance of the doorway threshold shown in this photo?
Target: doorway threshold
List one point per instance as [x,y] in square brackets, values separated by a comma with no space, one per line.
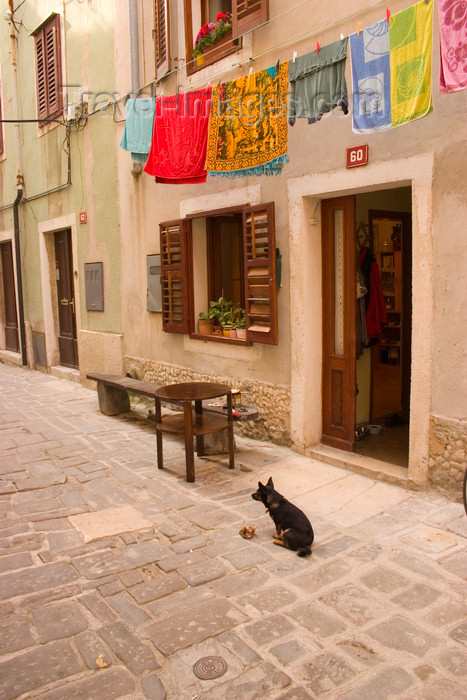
[69,373]
[360,464]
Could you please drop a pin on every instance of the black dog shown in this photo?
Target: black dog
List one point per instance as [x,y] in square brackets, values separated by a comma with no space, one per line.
[297,531]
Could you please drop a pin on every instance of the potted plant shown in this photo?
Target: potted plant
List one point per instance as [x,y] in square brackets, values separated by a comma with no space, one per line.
[240,325]
[206,321]
[210,33]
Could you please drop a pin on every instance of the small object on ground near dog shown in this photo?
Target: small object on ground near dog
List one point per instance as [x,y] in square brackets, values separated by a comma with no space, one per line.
[209,667]
[293,529]
[248,531]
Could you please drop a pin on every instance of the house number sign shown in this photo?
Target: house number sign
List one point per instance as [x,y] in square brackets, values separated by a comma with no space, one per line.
[357,155]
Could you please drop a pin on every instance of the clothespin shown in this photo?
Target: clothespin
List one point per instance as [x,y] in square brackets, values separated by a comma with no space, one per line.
[318,46]
[388,14]
[359,28]
[294,56]
[251,70]
[342,36]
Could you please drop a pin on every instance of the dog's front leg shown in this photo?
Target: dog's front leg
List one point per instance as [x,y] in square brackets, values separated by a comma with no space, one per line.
[278,532]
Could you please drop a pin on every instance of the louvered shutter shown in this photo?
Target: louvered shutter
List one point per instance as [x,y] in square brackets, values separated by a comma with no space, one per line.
[161,37]
[41,76]
[48,69]
[248,14]
[259,249]
[175,306]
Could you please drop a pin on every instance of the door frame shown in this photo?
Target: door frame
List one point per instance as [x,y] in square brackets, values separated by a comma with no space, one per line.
[304,197]
[46,231]
[5,237]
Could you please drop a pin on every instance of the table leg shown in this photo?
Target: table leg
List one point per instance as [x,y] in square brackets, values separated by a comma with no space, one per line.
[230,431]
[189,454]
[160,460]
[199,438]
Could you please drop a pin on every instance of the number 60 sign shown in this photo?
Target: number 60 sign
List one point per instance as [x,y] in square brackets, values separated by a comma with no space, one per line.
[357,155]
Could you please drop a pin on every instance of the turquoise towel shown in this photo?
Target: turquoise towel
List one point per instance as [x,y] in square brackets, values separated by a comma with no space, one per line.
[139,125]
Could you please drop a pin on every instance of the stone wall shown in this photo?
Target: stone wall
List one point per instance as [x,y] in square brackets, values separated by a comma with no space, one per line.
[272,401]
[448,455]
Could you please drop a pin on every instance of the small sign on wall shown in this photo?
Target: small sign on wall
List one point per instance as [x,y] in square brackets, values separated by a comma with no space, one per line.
[357,155]
[83,217]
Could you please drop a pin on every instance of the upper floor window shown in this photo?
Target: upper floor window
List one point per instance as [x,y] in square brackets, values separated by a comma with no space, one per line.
[48,68]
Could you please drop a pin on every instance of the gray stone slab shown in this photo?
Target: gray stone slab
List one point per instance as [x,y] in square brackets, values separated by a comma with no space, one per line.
[58,621]
[360,650]
[353,603]
[367,553]
[11,562]
[267,600]
[317,620]
[184,559]
[240,648]
[238,584]
[313,579]
[455,661]
[401,634]
[442,690]
[297,693]
[178,601]
[153,688]
[33,669]
[326,672]
[111,588]
[248,556]
[456,564]
[459,633]
[15,634]
[35,579]
[136,555]
[390,683]
[126,608]
[418,596]
[447,614]
[333,547]
[384,579]
[288,652]
[157,587]
[209,518]
[197,574]
[128,647]
[193,625]
[101,611]
[255,684]
[94,565]
[93,650]
[270,628]
[109,684]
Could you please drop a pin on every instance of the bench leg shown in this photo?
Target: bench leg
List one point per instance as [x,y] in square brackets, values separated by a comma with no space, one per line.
[112,400]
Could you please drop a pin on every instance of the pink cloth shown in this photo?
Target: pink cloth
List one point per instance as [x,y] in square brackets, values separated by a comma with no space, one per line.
[452,45]
[179,142]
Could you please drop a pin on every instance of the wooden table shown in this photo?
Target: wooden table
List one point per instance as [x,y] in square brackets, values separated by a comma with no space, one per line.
[193,424]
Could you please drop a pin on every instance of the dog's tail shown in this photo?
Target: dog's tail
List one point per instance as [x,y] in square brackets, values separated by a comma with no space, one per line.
[304,551]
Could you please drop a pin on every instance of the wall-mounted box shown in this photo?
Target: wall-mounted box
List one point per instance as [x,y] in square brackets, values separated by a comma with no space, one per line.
[153,263]
[94,286]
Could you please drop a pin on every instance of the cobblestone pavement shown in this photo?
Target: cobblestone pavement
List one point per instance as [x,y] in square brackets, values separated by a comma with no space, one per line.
[115,578]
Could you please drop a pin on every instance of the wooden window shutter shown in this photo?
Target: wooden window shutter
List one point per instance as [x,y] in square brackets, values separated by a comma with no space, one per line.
[259,249]
[41,76]
[248,14]
[174,279]
[161,37]
[48,63]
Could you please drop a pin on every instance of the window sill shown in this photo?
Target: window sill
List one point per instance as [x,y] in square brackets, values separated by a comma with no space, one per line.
[220,339]
[220,49]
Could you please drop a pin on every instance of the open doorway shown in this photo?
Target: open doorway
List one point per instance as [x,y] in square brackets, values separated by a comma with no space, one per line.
[367,332]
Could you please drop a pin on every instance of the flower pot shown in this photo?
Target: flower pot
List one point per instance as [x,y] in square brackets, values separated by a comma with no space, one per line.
[205,326]
[226,331]
[233,332]
[241,333]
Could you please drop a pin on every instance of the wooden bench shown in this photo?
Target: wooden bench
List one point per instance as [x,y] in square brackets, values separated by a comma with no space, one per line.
[113,390]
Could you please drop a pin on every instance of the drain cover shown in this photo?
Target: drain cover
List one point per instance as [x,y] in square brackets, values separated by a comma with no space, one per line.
[209,667]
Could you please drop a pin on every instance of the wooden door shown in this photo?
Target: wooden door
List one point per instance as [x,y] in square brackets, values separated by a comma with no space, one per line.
[67,338]
[9,298]
[339,322]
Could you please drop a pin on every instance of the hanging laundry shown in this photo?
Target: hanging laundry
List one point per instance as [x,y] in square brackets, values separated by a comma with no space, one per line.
[178,149]
[248,127]
[137,134]
[391,70]
[452,45]
[375,308]
[318,82]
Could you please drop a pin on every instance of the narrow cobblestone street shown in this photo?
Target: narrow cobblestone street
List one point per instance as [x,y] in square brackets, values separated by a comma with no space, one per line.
[115,577]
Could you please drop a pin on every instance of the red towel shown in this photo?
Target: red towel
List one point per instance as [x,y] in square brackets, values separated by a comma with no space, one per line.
[179,142]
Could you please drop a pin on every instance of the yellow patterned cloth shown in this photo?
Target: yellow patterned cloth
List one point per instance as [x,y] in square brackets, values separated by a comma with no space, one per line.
[248,125]
[410,33]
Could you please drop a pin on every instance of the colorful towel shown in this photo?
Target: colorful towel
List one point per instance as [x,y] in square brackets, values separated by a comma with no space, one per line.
[391,70]
[248,127]
[371,79]
[410,33]
[318,82]
[139,122]
[452,45]
[178,149]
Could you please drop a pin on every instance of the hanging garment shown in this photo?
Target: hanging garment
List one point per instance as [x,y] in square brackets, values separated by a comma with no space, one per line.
[318,83]
[178,149]
[248,127]
[391,70]
[137,134]
[375,308]
[452,45]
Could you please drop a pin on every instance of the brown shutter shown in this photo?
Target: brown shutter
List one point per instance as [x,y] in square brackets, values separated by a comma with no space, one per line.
[41,76]
[259,249]
[248,14]
[161,37]
[48,69]
[174,281]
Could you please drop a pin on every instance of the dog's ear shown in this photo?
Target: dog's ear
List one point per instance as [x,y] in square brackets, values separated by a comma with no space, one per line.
[260,485]
[270,482]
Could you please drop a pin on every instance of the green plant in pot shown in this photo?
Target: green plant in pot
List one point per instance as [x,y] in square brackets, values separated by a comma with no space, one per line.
[240,324]
[206,322]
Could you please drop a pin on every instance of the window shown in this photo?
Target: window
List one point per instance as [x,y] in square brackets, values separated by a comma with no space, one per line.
[246,15]
[161,37]
[48,68]
[230,253]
